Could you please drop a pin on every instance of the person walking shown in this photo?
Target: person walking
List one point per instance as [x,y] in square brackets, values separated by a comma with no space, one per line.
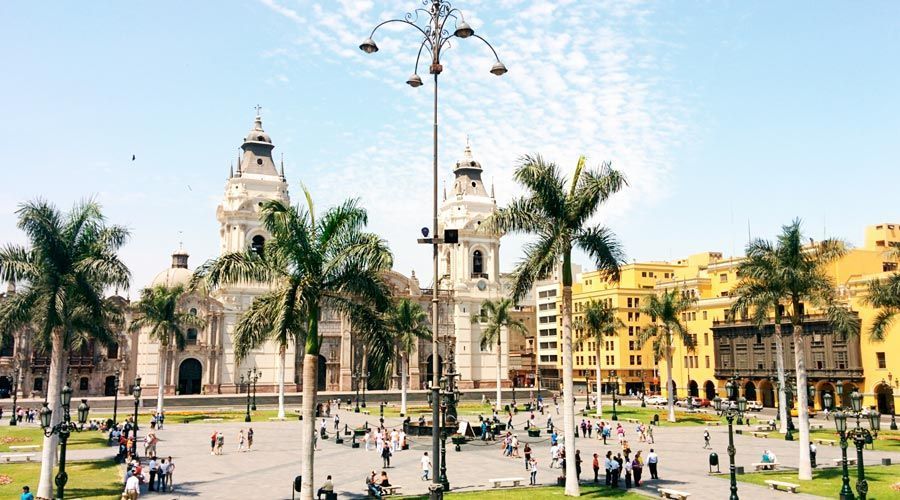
[627,466]
[249,438]
[337,421]
[132,488]
[533,466]
[26,491]
[706,445]
[608,466]
[652,463]
[527,451]
[554,455]
[596,465]
[220,442]
[649,434]
[426,466]
[241,440]
[386,455]
[212,443]
[154,470]
[170,470]
[578,465]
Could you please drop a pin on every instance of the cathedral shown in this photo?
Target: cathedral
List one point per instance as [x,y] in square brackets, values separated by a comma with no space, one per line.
[469,273]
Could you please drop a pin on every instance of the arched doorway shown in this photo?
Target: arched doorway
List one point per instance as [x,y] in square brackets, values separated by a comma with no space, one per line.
[429,370]
[694,389]
[825,388]
[321,373]
[189,374]
[768,393]
[5,387]
[674,388]
[710,389]
[883,399]
[109,386]
[750,391]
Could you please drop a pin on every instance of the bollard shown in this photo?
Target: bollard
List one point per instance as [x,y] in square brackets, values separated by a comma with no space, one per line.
[714,462]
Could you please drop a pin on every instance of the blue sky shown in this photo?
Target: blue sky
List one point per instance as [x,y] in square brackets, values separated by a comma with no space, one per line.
[721,113]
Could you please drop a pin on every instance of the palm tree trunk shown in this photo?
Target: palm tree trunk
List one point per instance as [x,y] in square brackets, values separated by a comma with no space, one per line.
[499,361]
[804,471]
[161,380]
[779,366]
[404,383]
[279,371]
[670,386]
[572,488]
[54,387]
[308,426]
[599,406]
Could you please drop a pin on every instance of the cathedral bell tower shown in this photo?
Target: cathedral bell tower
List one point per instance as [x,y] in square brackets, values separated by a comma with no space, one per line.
[471,269]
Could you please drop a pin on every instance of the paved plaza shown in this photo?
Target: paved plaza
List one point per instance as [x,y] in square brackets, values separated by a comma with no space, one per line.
[275,460]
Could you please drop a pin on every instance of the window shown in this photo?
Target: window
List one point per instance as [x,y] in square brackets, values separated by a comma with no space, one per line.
[644,274]
[723,278]
[882,362]
[637,302]
[639,359]
[83,384]
[705,338]
[38,384]
[840,359]
[631,360]
[707,361]
[630,330]
[630,316]
[819,360]
[258,244]
[889,266]
[477,262]
[630,345]
[637,316]
[7,345]
[629,302]
[637,330]
[686,362]
[704,314]
[192,336]
[112,352]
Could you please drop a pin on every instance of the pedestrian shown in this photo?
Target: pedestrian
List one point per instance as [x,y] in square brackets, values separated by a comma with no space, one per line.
[249,438]
[578,465]
[533,466]
[26,491]
[132,488]
[241,440]
[154,470]
[650,434]
[527,451]
[426,466]
[618,469]
[706,445]
[610,465]
[589,429]
[386,455]
[509,422]
[327,488]
[627,467]
[515,446]
[637,468]
[170,470]
[596,465]
[337,421]
[554,455]
[220,442]
[652,463]
[212,443]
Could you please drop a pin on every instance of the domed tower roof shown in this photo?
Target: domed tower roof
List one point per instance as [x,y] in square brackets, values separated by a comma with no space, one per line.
[468,175]
[178,274]
[256,157]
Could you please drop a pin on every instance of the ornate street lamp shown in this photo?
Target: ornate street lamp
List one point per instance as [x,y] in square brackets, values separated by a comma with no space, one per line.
[15,392]
[248,382]
[789,403]
[730,411]
[365,383]
[860,437]
[137,401]
[357,378]
[614,381]
[890,396]
[116,397]
[256,375]
[436,35]
[63,429]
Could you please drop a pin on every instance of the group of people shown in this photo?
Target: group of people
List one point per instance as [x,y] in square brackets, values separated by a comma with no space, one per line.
[217,441]
[376,484]
[26,415]
[157,475]
[386,442]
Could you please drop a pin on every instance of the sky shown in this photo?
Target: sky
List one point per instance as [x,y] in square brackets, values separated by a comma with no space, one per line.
[729,118]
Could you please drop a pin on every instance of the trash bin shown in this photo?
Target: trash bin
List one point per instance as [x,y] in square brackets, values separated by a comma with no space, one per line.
[714,461]
[656,419]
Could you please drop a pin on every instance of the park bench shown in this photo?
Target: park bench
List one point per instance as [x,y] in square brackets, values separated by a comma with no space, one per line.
[763,428]
[777,485]
[764,465]
[391,490]
[669,493]
[632,420]
[838,462]
[25,447]
[759,434]
[816,427]
[17,457]
[826,441]
[514,481]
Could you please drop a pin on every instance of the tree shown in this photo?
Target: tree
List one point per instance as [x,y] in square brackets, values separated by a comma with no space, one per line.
[406,323]
[884,295]
[795,278]
[310,264]
[69,260]
[494,317]
[560,218]
[159,312]
[665,312]
[599,322]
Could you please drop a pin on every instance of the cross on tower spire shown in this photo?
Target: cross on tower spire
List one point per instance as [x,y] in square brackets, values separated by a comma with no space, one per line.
[257,108]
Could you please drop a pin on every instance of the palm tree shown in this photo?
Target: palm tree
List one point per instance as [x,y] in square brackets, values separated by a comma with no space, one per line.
[310,264]
[885,295]
[407,322]
[495,316]
[600,321]
[159,312]
[795,278]
[665,312]
[69,260]
[560,218]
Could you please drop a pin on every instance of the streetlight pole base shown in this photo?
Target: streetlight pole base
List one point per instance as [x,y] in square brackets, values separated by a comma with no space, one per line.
[436,491]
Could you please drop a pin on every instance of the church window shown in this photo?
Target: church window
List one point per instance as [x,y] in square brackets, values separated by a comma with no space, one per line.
[260,138]
[474,184]
[258,245]
[83,384]
[192,336]
[477,262]
[38,384]
[259,161]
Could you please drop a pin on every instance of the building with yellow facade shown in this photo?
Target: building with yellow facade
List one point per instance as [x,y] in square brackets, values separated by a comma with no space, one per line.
[727,346]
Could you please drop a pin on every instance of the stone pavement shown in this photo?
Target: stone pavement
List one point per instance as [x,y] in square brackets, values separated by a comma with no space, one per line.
[275,460]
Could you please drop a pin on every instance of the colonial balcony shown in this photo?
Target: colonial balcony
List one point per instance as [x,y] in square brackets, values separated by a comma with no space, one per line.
[75,361]
[785,321]
[479,275]
[756,374]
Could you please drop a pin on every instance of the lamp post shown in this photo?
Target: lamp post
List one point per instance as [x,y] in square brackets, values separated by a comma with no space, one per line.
[587,394]
[365,383]
[116,397]
[256,375]
[435,37]
[64,429]
[614,381]
[357,378]
[860,437]
[789,403]
[729,411]
[137,401]
[251,375]
[15,393]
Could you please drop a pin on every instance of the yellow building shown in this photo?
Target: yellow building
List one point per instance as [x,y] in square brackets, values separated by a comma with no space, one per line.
[727,346]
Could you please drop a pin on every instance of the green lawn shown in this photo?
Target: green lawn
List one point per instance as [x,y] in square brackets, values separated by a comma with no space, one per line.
[96,480]
[886,441]
[176,416]
[540,492]
[827,482]
[29,435]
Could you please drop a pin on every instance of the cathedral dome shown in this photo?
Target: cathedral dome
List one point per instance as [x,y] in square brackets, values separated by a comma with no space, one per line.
[177,275]
[257,134]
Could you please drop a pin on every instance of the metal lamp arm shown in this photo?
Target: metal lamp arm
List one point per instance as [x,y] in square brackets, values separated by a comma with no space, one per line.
[419,56]
[404,21]
[496,57]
